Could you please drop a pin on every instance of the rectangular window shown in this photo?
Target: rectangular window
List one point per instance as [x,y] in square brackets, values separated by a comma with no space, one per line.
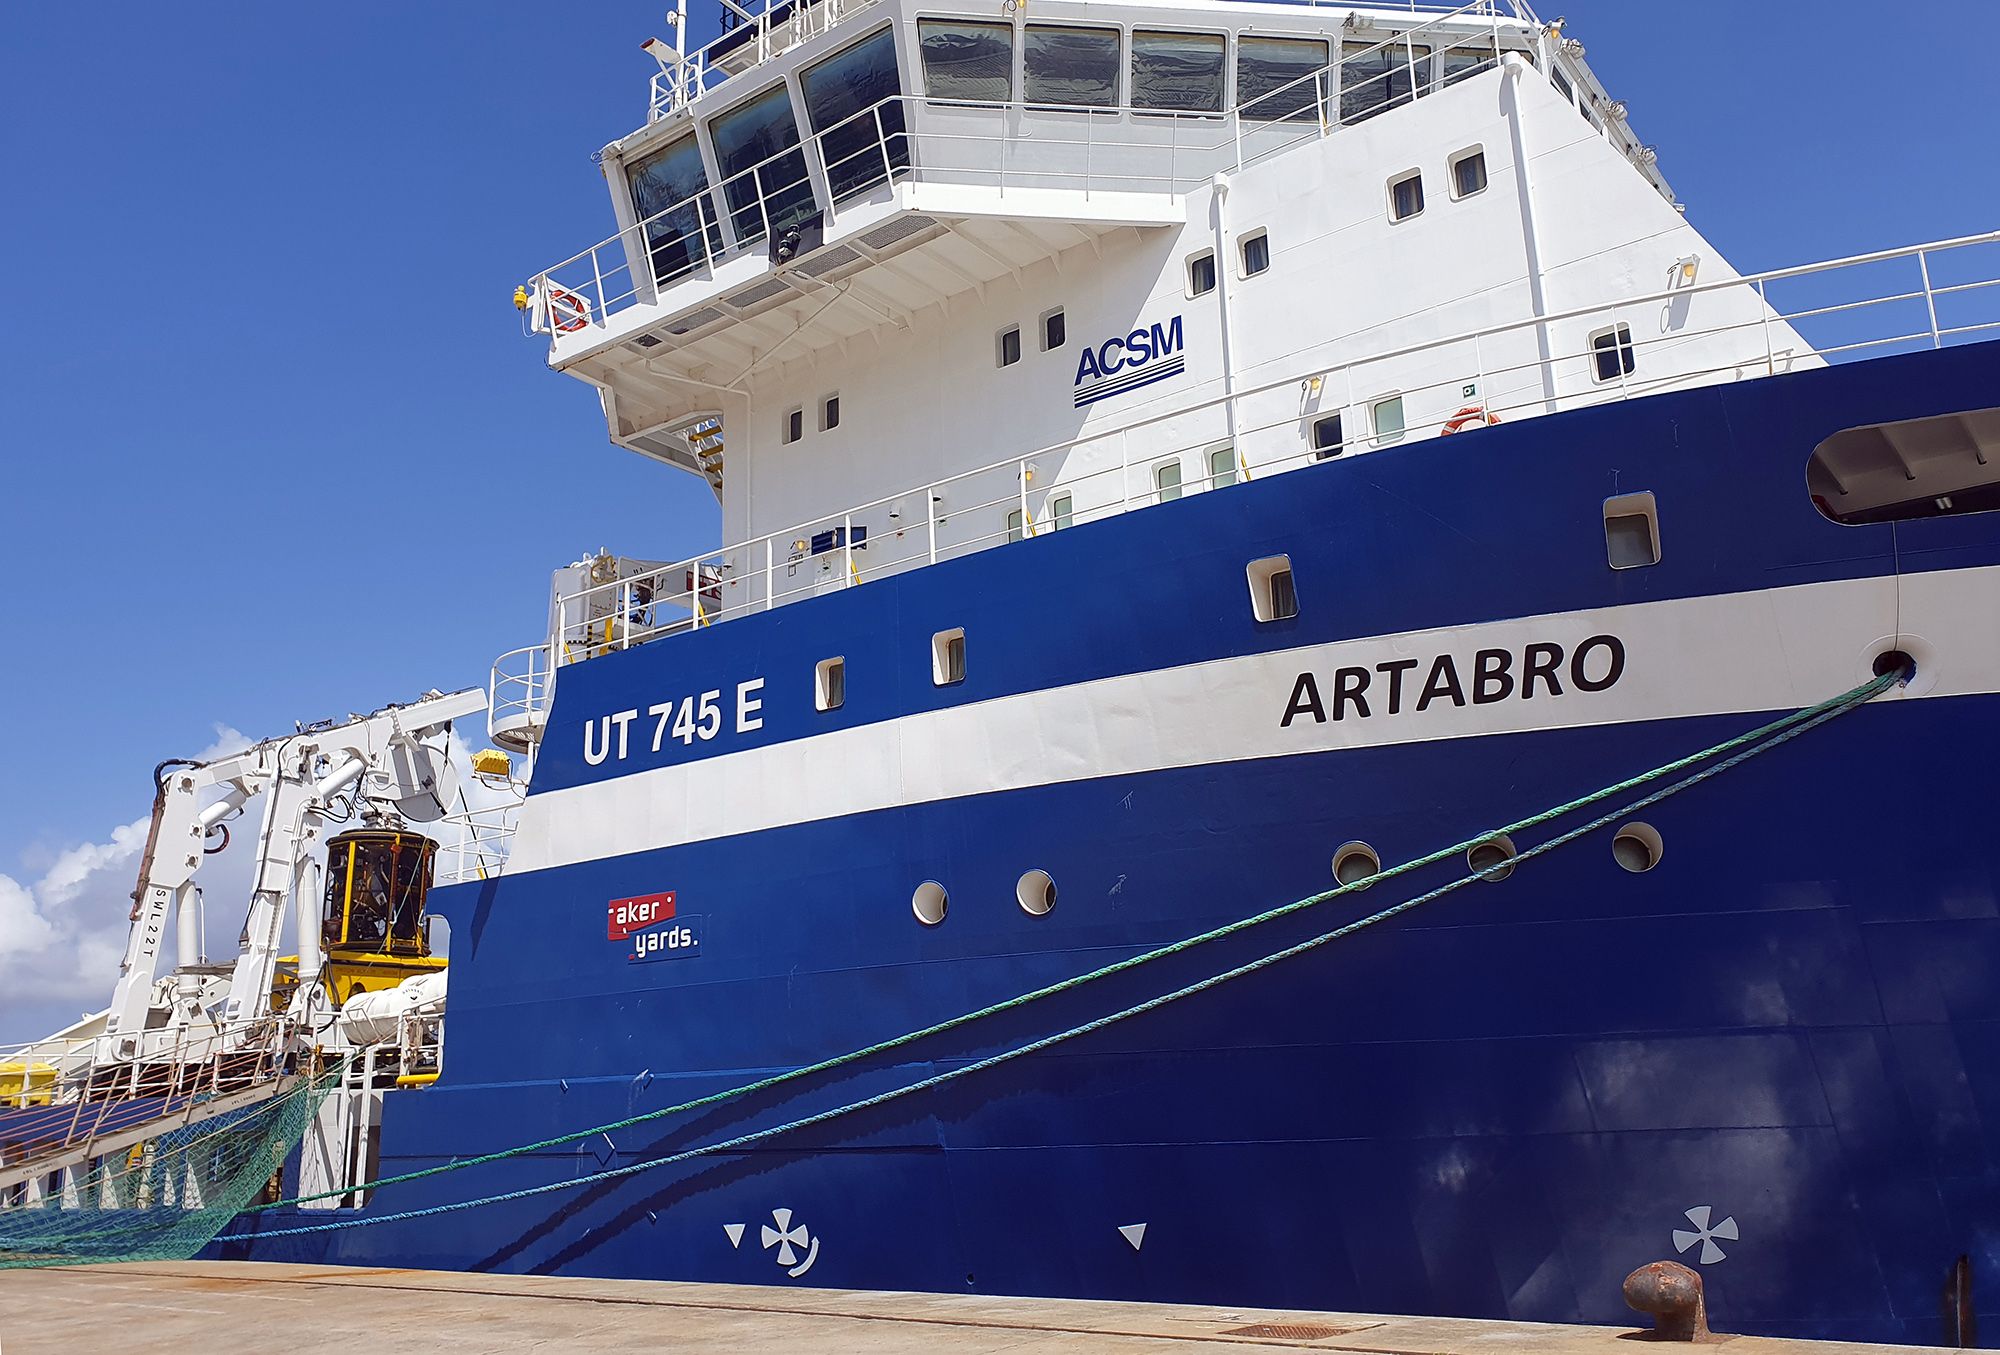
[670,195]
[1060,515]
[1167,481]
[1201,273]
[1177,72]
[1468,173]
[1406,196]
[795,425]
[1462,63]
[830,684]
[1632,531]
[1256,254]
[1010,345]
[1273,592]
[763,171]
[1388,413]
[1072,67]
[853,103]
[948,657]
[1374,79]
[1611,353]
[1281,79]
[829,414]
[969,60]
[1015,524]
[1562,85]
[1222,467]
[1054,332]
[1326,438]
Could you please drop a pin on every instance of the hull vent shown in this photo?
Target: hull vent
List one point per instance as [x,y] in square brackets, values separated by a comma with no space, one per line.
[1293,1331]
[889,232]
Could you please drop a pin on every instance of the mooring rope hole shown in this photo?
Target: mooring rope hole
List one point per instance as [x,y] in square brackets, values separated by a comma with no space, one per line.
[1740,749]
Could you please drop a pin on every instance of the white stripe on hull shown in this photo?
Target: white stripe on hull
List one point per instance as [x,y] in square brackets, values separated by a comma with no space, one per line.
[1773,649]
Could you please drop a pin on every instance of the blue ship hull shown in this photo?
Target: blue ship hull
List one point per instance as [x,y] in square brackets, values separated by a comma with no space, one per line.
[1496,1104]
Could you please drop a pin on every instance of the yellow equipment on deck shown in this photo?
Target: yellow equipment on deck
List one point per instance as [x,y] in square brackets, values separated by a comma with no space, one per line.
[26,1084]
[374,928]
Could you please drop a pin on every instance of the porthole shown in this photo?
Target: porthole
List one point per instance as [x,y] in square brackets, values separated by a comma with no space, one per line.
[1492,859]
[1354,863]
[1637,847]
[1036,892]
[929,903]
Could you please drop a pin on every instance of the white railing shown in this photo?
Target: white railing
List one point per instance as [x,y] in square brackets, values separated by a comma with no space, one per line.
[1923,296]
[517,695]
[480,839]
[970,142]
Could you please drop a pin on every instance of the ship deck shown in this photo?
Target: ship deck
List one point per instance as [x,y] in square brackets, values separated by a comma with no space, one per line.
[221,1308]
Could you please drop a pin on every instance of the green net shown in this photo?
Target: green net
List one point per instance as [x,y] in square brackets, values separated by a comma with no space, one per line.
[164,1198]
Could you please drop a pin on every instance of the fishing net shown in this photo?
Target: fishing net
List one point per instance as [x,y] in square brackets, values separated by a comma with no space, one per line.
[161,1199]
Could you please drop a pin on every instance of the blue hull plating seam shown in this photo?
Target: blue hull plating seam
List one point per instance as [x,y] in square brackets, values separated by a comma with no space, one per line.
[1496,1105]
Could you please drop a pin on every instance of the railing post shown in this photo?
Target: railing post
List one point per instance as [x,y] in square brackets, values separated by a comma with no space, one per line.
[624,620]
[930,517]
[1930,298]
[597,279]
[1764,319]
[770,574]
[1125,464]
[763,208]
[847,549]
[1021,474]
[882,144]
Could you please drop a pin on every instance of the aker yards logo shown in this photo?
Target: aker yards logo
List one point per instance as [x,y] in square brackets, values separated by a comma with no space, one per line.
[1126,362]
[638,920]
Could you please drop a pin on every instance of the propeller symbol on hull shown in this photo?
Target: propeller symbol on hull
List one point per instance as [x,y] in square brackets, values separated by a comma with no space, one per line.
[1703,1233]
[788,1239]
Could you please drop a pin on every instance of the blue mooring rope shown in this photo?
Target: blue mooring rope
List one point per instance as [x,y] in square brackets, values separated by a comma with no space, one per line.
[1741,748]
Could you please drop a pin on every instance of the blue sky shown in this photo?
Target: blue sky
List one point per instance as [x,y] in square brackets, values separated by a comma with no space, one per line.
[276,448]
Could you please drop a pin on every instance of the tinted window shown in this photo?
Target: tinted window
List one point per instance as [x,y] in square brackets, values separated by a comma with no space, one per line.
[1461,63]
[763,172]
[1177,71]
[1406,197]
[967,60]
[1376,78]
[1468,174]
[1201,274]
[861,148]
[1612,353]
[1070,66]
[1326,438]
[671,184]
[1278,79]
[1256,255]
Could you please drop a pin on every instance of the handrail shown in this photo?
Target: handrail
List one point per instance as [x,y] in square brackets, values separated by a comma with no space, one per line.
[635,624]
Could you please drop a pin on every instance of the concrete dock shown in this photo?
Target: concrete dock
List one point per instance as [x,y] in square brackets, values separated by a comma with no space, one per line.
[221,1308]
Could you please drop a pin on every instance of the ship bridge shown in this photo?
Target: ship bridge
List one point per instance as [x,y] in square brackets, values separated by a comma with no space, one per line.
[824,173]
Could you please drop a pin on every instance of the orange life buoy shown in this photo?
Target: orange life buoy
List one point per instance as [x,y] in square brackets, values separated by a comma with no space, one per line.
[1465,416]
[568,312]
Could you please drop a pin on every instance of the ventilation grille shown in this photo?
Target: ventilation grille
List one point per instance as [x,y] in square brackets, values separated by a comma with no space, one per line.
[902,228]
[827,261]
[762,292]
[1293,1331]
[689,323]
[645,344]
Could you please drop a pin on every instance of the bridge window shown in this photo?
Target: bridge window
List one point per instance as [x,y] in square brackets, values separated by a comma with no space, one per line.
[1256,253]
[1167,481]
[1326,438]
[1010,345]
[1406,196]
[1917,468]
[763,171]
[1054,332]
[1462,63]
[1074,67]
[1178,72]
[1201,273]
[967,60]
[1562,85]
[670,196]
[1375,78]
[1611,353]
[1281,79]
[853,99]
[1468,173]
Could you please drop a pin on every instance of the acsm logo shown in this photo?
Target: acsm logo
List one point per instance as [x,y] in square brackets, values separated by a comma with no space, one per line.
[1126,362]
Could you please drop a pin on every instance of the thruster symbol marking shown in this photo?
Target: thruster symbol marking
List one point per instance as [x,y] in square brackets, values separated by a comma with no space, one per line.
[1704,1234]
[788,1239]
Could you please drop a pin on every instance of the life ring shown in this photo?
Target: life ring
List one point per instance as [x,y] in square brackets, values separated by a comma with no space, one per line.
[1465,416]
[568,312]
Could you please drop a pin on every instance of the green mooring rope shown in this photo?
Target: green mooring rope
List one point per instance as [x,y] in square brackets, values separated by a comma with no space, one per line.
[1741,749]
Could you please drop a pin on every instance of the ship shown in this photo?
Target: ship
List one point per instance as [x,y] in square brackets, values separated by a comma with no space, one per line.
[1311,702]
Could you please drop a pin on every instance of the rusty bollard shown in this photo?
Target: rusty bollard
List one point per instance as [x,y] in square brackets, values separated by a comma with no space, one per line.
[1672,1294]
